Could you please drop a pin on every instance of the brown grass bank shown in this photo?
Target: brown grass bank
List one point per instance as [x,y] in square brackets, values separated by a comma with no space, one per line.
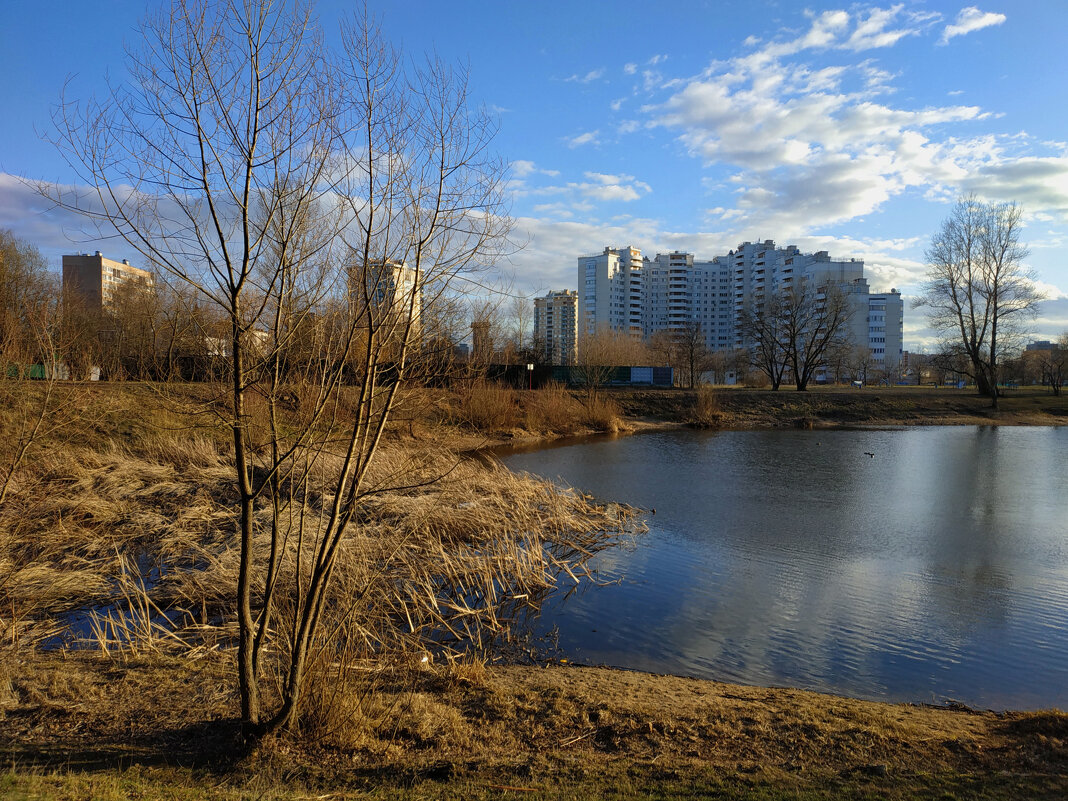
[83,725]
[824,407]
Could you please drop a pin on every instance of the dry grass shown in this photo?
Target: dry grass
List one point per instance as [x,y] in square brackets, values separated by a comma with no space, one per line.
[442,731]
[601,413]
[552,410]
[706,409]
[487,407]
[136,540]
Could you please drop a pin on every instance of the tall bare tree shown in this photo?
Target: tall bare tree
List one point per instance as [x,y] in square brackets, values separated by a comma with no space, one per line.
[979,293]
[815,323]
[321,201]
[763,327]
[35,399]
[601,352]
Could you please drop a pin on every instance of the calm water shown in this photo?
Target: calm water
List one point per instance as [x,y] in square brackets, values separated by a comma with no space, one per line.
[936,570]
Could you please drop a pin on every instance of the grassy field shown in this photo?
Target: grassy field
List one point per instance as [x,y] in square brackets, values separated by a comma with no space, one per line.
[140,477]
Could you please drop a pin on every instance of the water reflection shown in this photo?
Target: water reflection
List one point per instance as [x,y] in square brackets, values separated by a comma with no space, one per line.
[936,569]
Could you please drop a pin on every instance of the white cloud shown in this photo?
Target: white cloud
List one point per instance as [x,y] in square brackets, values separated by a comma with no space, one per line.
[970,19]
[589,77]
[872,31]
[814,147]
[588,138]
[522,168]
[617,104]
[630,68]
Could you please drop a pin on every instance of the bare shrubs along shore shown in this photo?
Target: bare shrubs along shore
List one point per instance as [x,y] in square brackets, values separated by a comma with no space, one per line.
[109,525]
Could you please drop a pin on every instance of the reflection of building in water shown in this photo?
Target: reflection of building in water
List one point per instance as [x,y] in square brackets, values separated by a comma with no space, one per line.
[93,279]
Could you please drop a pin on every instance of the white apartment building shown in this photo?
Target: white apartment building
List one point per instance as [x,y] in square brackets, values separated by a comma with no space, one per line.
[885,328]
[610,291]
[620,290]
[556,325]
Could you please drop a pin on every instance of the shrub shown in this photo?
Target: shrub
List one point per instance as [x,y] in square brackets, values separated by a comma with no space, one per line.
[706,410]
[488,407]
[601,414]
[552,409]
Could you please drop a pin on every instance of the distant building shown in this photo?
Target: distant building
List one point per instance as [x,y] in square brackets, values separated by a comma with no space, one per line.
[619,290]
[556,326]
[391,289]
[481,341]
[93,279]
[1041,344]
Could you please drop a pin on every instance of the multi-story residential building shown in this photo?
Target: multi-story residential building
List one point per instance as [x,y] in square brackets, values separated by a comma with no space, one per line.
[93,279]
[392,288]
[556,326]
[621,291]
[610,292]
[885,329]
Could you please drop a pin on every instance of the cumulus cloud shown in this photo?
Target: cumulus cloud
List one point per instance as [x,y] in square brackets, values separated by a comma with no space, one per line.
[630,68]
[523,168]
[970,19]
[814,147]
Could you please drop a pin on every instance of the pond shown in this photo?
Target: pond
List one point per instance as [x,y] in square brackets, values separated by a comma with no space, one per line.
[923,565]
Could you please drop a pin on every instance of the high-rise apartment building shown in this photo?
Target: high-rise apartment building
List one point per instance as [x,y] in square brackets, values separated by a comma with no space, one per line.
[392,291]
[610,291]
[93,279]
[556,326]
[619,290]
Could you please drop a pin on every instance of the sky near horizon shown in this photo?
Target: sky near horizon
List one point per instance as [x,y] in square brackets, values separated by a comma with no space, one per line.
[678,125]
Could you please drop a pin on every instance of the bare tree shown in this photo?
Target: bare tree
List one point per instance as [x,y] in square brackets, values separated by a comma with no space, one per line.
[314,199]
[35,399]
[796,329]
[815,320]
[1053,365]
[763,327]
[979,294]
[861,361]
[600,353]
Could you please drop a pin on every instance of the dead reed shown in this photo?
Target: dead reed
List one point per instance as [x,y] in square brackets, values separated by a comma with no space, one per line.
[601,413]
[551,409]
[706,409]
[487,407]
[445,555]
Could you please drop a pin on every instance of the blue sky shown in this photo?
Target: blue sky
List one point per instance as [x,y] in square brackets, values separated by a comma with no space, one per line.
[680,125]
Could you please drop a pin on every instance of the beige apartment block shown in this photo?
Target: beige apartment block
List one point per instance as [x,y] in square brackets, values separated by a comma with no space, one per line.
[93,279]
